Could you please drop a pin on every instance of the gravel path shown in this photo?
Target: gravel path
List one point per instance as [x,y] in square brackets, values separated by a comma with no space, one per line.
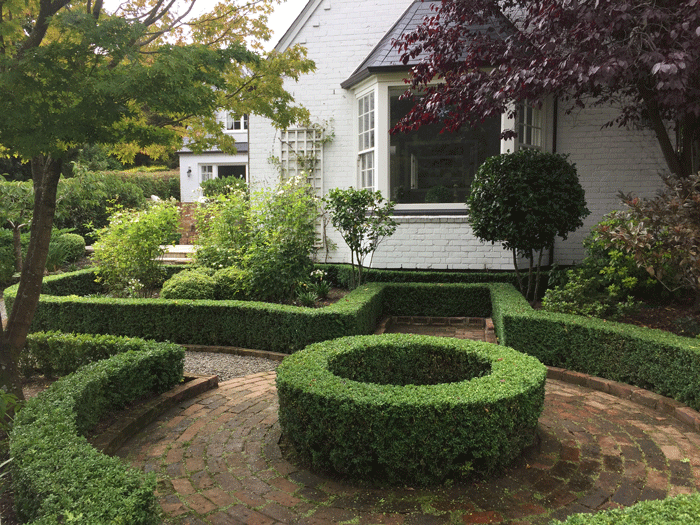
[226,366]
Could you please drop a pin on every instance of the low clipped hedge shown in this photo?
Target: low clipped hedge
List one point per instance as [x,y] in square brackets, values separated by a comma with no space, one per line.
[680,510]
[66,304]
[57,476]
[59,354]
[651,359]
[377,407]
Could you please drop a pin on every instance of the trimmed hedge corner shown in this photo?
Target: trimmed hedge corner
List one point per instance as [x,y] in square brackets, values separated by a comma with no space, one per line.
[376,406]
[651,359]
[57,476]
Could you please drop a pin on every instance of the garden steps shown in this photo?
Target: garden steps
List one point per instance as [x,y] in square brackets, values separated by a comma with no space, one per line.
[475,328]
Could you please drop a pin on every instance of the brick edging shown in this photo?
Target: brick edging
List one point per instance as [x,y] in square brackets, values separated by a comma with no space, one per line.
[140,417]
[663,405]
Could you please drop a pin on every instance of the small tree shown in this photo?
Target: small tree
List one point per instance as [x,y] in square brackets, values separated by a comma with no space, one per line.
[663,233]
[128,251]
[525,200]
[364,220]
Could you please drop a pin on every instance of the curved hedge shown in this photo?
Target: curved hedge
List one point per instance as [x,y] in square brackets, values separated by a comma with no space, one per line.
[352,405]
[57,476]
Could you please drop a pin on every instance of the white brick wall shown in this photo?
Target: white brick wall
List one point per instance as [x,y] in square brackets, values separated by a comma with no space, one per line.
[338,36]
[608,161]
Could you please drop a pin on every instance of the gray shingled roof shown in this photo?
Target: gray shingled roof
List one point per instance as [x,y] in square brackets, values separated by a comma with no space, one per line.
[385,58]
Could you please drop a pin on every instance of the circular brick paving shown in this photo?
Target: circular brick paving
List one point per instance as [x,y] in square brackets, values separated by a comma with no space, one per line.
[218,461]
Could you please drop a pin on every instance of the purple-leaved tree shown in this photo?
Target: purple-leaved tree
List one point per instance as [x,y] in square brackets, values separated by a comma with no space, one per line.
[641,56]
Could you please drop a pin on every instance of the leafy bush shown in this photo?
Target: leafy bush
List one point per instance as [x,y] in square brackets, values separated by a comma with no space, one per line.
[439,194]
[56,473]
[163,184]
[189,284]
[364,219]
[231,283]
[525,200]
[663,234]
[604,285]
[223,186]
[74,246]
[270,236]
[85,200]
[127,252]
[409,409]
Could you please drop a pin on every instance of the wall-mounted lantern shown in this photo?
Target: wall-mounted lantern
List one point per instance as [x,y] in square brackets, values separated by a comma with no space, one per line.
[189,171]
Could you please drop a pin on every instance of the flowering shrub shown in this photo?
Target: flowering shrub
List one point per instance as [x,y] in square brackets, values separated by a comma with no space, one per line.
[128,251]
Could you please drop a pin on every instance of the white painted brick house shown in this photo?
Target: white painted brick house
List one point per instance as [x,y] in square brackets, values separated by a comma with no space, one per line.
[196,168]
[355,92]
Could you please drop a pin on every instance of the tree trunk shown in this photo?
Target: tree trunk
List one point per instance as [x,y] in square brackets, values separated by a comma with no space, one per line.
[45,174]
[17,241]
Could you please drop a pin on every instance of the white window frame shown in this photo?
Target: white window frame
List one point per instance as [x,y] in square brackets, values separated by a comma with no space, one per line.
[206,172]
[366,136]
[530,125]
[381,85]
[232,123]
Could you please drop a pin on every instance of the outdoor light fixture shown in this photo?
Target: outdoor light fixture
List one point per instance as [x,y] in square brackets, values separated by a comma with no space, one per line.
[189,171]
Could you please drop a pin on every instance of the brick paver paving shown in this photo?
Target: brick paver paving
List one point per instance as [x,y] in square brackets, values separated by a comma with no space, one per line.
[218,461]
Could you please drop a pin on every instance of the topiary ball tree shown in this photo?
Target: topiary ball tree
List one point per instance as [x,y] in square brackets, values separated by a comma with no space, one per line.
[525,200]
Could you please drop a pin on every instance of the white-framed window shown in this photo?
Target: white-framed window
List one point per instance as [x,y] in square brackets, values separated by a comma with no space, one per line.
[429,166]
[425,171]
[207,172]
[530,127]
[366,140]
[235,123]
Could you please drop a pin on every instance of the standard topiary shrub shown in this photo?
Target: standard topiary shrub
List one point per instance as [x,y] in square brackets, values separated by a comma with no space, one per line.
[409,409]
[525,200]
[681,510]
[189,284]
[57,476]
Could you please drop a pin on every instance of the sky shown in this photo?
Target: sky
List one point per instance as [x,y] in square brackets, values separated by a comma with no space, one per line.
[282,17]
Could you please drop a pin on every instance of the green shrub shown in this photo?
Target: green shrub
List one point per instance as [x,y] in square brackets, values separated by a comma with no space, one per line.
[409,409]
[604,285]
[57,475]
[223,186]
[680,510]
[189,284]
[74,246]
[651,359]
[439,194]
[231,283]
[128,251]
[163,184]
[526,200]
[270,235]
[59,354]
[85,200]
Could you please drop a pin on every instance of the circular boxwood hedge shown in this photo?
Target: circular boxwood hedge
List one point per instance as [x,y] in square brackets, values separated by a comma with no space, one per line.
[409,409]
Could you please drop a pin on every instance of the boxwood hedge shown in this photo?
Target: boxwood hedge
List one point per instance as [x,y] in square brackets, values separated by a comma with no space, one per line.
[57,476]
[681,510]
[409,409]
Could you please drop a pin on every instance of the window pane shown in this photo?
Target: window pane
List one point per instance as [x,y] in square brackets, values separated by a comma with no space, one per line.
[429,166]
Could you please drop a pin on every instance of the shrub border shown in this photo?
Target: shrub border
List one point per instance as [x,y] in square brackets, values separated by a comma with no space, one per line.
[361,428]
[56,473]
